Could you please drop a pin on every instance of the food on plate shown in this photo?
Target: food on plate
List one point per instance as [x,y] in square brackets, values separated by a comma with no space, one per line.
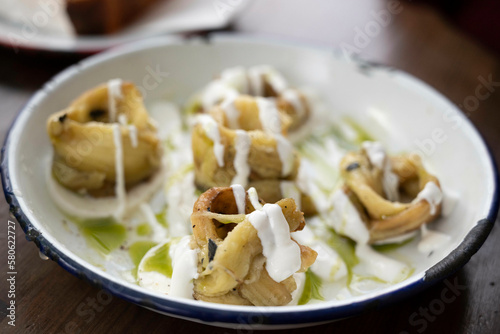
[257,194]
[246,253]
[258,81]
[103,140]
[92,17]
[394,195]
[246,146]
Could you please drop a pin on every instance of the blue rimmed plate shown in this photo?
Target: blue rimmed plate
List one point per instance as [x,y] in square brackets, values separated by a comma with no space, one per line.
[399,110]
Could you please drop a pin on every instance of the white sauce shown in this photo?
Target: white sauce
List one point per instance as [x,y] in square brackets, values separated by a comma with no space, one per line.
[293,98]
[90,208]
[345,219]
[269,115]
[242,147]
[114,93]
[119,171]
[431,240]
[300,281]
[378,158]
[281,252]
[159,232]
[432,194]
[305,236]
[132,132]
[232,114]
[211,128]
[271,124]
[236,77]
[214,93]
[329,266]
[122,119]
[381,266]
[290,190]
[185,269]
[390,183]
[254,198]
[276,80]
[257,75]
[239,197]
[256,81]
[375,152]
[286,153]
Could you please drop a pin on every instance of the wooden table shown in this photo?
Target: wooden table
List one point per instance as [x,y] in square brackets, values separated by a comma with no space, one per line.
[417,40]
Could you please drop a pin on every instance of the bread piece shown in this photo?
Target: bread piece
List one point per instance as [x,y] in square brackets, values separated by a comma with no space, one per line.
[95,17]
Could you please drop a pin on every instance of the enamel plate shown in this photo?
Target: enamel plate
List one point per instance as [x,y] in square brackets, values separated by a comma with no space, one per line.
[402,112]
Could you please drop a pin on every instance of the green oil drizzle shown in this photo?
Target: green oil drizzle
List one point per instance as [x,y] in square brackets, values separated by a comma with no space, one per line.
[312,287]
[345,247]
[392,246]
[137,251]
[143,229]
[160,261]
[194,106]
[363,135]
[103,234]
[161,217]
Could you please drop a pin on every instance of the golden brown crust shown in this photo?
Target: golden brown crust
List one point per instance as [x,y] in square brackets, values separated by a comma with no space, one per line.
[84,148]
[384,218]
[236,273]
[263,158]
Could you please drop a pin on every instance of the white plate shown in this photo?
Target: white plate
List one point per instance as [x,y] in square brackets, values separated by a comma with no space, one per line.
[399,110]
[29,26]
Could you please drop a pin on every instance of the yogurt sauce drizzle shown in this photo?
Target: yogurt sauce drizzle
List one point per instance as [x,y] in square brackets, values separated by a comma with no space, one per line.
[281,252]
[242,147]
[119,171]
[239,197]
[285,152]
[114,93]
[231,82]
[232,114]
[432,194]
[184,269]
[212,130]
[269,115]
[271,123]
[378,158]
[328,265]
[379,265]
[132,131]
[257,75]
[254,198]
[236,77]
[345,219]
[431,240]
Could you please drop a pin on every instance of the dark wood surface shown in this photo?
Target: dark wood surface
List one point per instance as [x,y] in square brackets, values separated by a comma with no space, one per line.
[417,40]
